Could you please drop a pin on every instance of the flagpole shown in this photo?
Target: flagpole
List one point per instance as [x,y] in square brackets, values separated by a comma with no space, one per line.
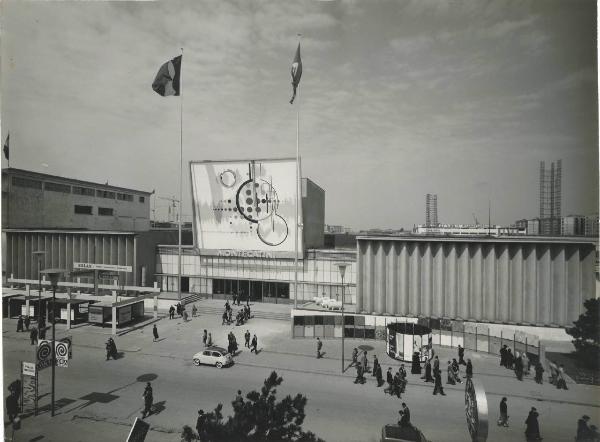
[297,192]
[180,176]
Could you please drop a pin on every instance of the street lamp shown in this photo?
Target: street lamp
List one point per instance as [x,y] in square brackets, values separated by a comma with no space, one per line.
[342,268]
[54,275]
[39,254]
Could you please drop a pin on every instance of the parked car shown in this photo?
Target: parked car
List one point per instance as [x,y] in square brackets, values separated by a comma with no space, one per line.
[217,356]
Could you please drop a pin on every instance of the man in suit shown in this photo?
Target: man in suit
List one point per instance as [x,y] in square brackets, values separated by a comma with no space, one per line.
[404,416]
[254,345]
[438,384]
[390,381]
[319,347]
[461,355]
[247,338]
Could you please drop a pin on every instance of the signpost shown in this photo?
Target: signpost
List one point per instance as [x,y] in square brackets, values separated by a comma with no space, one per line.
[29,388]
[476,410]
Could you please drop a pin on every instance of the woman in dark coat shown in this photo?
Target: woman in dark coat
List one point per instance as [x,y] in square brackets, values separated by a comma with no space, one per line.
[428,377]
[450,375]
[532,431]
[155,332]
[416,363]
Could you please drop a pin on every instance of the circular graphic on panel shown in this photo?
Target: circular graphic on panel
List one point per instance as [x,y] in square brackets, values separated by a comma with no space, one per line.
[228,178]
[272,231]
[257,200]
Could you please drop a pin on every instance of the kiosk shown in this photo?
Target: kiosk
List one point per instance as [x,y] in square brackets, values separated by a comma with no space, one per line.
[78,310]
[17,305]
[404,339]
[126,312]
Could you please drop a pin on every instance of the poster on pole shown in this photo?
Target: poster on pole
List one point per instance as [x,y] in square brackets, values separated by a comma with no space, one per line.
[245,208]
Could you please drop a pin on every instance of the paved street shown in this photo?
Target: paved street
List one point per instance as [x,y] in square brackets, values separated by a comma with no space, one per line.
[104,397]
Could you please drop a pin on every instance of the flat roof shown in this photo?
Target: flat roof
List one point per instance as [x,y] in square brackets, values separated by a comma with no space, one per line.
[85,232]
[479,238]
[48,177]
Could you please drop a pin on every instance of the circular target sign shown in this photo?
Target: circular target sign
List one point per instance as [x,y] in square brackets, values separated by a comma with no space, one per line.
[44,351]
[62,350]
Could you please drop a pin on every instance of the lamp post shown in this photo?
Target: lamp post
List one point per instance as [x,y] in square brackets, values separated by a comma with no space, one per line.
[342,268]
[39,254]
[54,275]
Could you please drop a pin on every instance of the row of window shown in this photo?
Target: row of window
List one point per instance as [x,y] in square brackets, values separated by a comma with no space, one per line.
[89,210]
[77,190]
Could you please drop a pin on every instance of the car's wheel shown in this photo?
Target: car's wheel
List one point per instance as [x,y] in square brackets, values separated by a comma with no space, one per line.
[197,362]
[219,365]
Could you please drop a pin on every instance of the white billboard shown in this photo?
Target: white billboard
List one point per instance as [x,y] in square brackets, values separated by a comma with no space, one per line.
[245,206]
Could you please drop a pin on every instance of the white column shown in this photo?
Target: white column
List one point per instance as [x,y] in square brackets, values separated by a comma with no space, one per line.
[544,287]
[155,309]
[68,315]
[559,268]
[114,320]
[403,294]
[516,285]
[450,286]
[503,284]
[27,305]
[380,277]
[392,279]
[463,281]
[426,279]
[530,284]
[573,294]
[476,289]
[368,286]
[414,283]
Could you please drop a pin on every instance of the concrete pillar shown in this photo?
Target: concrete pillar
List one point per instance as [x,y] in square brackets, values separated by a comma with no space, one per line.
[360,280]
[155,284]
[392,279]
[573,295]
[438,281]
[78,288]
[12,276]
[114,320]
[476,288]
[403,295]
[559,268]
[450,286]
[516,285]
[27,305]
[380,277]
[414,283]
[544,288]
[68,316]
[155,309]
[463,280]
[368,281]
[529,283]
[426,279]
[27,289]
[503,284]
[43,285]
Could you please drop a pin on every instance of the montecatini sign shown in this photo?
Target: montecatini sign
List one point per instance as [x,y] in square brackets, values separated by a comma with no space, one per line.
[245,253]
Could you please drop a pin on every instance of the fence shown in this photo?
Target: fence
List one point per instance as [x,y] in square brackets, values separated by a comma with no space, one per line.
[445,332]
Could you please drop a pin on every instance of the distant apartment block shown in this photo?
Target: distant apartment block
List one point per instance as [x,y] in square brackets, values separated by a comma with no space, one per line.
[431,210]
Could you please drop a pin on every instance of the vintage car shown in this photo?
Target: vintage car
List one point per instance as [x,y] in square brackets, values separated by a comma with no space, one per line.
[217,356]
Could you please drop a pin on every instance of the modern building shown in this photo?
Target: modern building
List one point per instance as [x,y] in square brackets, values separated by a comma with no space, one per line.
[591,225]
[550,198]
[572,225]
[468,230]
[32,200]
[515,280]
[431,210]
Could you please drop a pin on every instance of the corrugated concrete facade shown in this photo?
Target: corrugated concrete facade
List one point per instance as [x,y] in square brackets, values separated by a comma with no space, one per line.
[508,280]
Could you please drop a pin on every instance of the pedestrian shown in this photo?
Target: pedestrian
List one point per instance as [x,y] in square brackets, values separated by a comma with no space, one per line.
[525,364]
[427,376]
[359,374]
[171,312]
[229,313]
[319,347]
[416,363]
[247,339]
[354,357]
[503,421]
[378,375]
[404,416]
[209,341]
[200,425]
[438,384]
[397,390]
[469,369]
[27,321]
[461,355]
[234,343]
[532,430]
[553,372]
[234,298]
[204,336]
[33,334]
[194,311]
[178,309]
[450,375]
[224,318]
[456,371]
[185,315]
[436,364]
[239,399]
[560,380]
[584,433]
[539,371]
[155,333]
[42,328]
[375,365]
[518,366]
[503,356]
[12,407]
[148,399]
[364,361]
[510,359]
[254,344]
[390,381]
[20,324]
[227,306]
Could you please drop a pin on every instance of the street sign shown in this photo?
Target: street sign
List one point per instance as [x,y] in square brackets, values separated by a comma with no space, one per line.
[61,351]
[69,341]
[44,354]
[93,266]
[29,368]
[138,431]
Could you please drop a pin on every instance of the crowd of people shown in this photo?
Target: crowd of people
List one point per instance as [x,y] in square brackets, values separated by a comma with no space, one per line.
[521,365]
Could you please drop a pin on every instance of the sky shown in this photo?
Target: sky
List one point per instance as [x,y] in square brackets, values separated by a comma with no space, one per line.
[397,99]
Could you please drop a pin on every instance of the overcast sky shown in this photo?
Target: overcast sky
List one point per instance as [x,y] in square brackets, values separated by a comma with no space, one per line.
[397,98]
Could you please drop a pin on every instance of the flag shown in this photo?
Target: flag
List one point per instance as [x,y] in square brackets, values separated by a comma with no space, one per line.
[5,148]
[167,79]
[296,72]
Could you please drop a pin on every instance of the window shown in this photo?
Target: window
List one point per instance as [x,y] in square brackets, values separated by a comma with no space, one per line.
[83,210]
[216,354]
[206,353]
[124,197]
[142,199]
[55,187]
[105,194]
[105,211]
[83,191]
[26,182]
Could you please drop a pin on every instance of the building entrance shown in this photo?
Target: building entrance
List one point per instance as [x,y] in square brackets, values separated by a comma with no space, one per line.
[256,291]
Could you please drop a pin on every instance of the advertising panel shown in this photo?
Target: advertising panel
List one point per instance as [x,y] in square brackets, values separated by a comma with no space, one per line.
[124,314]
[95,315]
[245,208]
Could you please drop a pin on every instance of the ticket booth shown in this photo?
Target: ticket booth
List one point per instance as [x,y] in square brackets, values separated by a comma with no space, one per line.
[17,305]
[78,307]
[101,313]
[406,338]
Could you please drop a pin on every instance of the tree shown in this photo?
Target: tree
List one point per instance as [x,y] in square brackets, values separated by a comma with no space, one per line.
[586,332]
[261,418]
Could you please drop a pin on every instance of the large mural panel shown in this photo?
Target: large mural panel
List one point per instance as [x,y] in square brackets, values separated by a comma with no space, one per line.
[246,205]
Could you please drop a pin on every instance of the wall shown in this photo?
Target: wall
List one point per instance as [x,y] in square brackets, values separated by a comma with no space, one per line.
[531,282]
[313,212]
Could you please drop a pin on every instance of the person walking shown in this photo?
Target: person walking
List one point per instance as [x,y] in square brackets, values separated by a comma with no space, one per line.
[560,380]
[148,399]
[33,335]
[194,311]
[539,371]
[254,345]
[584,433]
[427,376]
[204,337]
[319,347]
[27,321]
[364,361]
[378,375]
[503,421]
[450,380]
[438,384]
[12,407]
[247,339]
[224,318]
[155,333]
[200,425]
[171,312]
[519,366]
[461,355]
[469,369]
[390,381]
[525,364]
[359,374]
[404,416]
[209,341]
[532,429]
[375,365]
[503,356]
[354,357]
[436,364]
[510,359]
[397,390]
[416,363]
[20,324]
